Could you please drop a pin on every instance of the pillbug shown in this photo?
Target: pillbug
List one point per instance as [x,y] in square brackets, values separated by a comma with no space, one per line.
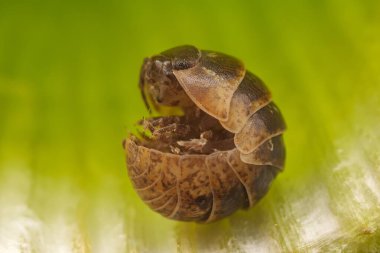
[220,153]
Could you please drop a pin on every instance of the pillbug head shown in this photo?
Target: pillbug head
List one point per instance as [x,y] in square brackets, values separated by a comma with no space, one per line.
[158,84]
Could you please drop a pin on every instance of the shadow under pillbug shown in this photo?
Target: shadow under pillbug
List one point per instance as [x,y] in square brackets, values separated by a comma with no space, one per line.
[221,154]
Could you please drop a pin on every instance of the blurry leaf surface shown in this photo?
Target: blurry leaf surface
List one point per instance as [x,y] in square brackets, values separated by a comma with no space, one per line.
[68,96]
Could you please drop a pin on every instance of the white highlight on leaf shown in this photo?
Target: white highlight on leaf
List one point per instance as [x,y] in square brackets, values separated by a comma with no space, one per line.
[261,245]
[18,223]
[319,223]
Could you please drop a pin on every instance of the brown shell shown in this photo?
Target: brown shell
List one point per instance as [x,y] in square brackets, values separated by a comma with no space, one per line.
[200,188]
[212,82]
[208,187]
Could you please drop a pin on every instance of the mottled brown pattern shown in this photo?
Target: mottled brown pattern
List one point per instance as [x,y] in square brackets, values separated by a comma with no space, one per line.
[159,163]
[261,126]
[229,194]
[141,163]
[130,151]
[205,173]
[164,170]
[168,209]
[160,202]
[171,171]
[195,196]
[153,191]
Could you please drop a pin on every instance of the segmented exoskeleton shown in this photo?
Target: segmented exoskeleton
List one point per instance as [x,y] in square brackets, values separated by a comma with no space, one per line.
[222,153]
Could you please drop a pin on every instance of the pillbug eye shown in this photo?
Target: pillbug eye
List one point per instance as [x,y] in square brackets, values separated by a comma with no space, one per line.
[222,154]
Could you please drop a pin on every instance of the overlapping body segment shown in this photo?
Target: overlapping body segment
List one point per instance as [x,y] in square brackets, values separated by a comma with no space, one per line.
[222,154]
[203,188]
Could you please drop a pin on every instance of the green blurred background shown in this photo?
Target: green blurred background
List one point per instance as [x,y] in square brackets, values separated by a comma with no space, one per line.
[68,95]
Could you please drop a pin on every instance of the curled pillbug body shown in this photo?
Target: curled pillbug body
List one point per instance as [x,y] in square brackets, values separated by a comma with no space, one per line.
[225,149]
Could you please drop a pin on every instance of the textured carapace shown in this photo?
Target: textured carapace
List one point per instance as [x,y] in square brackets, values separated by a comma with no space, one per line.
[225,149]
